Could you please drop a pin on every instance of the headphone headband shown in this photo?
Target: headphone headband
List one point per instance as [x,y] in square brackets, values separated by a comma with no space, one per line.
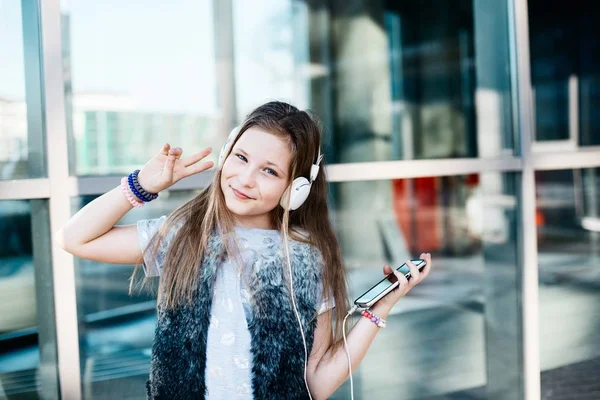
[314,169]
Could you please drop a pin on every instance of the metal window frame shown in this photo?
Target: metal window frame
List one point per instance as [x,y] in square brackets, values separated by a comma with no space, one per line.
[571,143]
[528,251]
[67,329]
[23,189]
[59,187]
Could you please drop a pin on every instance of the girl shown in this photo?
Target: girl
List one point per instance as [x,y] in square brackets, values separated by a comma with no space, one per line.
[252,291]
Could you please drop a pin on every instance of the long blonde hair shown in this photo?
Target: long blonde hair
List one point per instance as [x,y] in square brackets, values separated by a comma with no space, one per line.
[207,213]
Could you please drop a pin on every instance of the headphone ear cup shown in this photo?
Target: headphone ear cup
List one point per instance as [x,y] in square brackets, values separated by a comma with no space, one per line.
[283,202]
[298,192]
[225,149]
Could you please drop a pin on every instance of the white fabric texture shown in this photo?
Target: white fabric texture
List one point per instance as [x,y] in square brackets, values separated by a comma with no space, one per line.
[229,361]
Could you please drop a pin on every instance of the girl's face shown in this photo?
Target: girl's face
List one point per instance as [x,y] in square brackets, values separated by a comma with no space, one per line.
[254,177]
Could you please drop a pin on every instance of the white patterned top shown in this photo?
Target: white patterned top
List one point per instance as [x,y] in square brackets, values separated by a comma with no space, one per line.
[228,357]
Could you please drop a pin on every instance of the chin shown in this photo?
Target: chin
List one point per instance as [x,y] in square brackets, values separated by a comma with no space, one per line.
[243,210]
[237,208]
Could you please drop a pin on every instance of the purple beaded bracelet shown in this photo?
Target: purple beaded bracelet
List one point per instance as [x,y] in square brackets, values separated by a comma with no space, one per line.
[377,320]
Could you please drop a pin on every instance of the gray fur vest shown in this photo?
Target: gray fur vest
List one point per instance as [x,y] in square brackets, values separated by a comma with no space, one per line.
[178,361]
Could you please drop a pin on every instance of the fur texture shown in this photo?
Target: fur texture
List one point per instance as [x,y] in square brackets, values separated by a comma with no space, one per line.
[178,362]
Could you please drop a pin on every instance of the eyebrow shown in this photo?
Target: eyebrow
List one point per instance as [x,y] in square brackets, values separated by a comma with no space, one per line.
[268,162]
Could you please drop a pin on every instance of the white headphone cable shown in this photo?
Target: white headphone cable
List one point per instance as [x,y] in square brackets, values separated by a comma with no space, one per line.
[287,255]
[352,310]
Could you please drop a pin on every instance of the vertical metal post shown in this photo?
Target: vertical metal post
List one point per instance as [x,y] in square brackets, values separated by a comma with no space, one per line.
[225,64]
[67,336]
[526,220]
[44,292]
[573,111]
[494,131]
[36,162]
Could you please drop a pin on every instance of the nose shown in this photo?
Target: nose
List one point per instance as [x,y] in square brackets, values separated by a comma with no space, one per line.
[247,178]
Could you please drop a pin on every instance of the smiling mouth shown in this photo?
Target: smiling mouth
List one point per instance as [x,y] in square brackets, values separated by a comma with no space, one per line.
[240,195]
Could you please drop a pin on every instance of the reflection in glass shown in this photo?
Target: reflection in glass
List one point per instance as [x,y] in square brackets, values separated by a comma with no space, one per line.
[391,80]
[134,87]
[565,70]
[117,330]
[568,218]
[14,158]
[22,375]
[457,325]
[271,53]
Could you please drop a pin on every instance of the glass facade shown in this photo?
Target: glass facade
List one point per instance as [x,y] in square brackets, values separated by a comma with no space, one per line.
[27,337]
[115,329]
[565,71]
[158,86]
[391,80]
[17,289]
[458,324]
[21,143]
[569,262]
[433,140]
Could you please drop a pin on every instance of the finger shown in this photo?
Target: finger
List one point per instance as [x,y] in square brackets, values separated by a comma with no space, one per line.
[403,285]
[415,275]
[167,172]
[176,151]
[387,269]
[425,271]
[199,167]
[165,149]
[194,158]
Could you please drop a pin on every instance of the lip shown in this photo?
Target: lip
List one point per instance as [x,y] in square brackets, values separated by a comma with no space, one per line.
[241,195]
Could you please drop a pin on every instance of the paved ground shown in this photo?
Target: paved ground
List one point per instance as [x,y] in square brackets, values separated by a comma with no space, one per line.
[579,381]
[433,348]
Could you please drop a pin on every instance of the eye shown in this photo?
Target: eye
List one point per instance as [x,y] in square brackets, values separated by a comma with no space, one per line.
[241,157]
[271,171]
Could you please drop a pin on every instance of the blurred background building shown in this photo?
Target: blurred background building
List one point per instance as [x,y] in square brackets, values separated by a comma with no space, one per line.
[465,128]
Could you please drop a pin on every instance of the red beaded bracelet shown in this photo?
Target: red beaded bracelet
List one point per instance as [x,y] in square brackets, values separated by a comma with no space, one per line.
[380,322]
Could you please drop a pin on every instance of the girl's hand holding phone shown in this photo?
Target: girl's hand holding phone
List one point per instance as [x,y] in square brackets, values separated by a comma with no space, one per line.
[383,306]
[167,167]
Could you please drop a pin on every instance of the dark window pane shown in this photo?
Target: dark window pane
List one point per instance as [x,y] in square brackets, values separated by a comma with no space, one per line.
[28,365]
[565,70]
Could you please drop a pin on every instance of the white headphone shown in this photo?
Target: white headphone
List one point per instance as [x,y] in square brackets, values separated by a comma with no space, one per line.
[225,149]
[297,192]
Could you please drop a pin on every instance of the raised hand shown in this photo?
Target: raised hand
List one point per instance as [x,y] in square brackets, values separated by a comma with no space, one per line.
[167,167]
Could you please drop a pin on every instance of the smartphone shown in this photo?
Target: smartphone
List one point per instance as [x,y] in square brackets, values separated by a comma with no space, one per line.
[386,285]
